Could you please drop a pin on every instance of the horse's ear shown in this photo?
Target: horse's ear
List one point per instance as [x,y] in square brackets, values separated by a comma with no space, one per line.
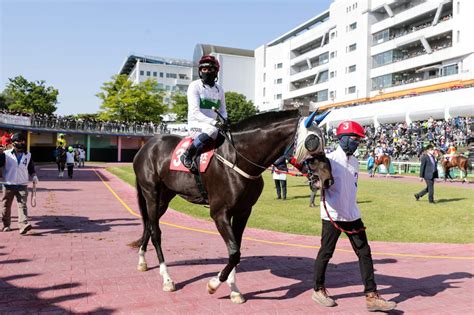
[316,118]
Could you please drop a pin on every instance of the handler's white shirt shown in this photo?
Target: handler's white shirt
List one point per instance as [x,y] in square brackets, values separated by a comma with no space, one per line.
[341,196]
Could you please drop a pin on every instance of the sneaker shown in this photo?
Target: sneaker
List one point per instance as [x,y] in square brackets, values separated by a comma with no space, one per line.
[322,298]
[417,197]
[25,229]
[6,229]
[312,205]
[376,303]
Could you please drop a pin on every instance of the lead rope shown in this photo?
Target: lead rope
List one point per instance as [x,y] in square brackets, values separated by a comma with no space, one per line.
[33,195]
[323,197]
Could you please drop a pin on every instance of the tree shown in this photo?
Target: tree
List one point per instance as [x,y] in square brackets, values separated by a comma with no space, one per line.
[5,101]
[31,97]
[180,106]
[238,108]
[125,101]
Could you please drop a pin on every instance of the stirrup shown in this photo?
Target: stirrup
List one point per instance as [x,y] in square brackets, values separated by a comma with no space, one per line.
[188,163]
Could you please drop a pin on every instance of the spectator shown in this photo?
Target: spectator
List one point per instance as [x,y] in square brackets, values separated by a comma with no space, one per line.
[17,164]
[82,156]
[279,170]
[371,164]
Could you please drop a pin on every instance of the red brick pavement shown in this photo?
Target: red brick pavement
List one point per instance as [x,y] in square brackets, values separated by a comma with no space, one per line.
[76,261]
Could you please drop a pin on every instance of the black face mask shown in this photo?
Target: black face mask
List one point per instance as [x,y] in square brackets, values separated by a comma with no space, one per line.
[20,147]
[209,78]
[348,145]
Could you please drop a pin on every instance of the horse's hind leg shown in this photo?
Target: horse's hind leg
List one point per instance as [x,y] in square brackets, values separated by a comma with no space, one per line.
[157,200]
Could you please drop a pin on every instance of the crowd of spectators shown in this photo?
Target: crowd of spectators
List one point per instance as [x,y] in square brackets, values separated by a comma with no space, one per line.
[406,142]
[413,28]
[53,121]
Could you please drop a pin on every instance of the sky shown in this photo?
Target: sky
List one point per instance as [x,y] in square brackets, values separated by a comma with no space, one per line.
[76,46]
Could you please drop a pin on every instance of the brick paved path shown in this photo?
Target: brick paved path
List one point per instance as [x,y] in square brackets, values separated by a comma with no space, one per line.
[76,260]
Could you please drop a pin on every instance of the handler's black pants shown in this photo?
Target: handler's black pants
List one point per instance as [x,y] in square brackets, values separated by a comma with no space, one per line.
[360,245]
[280,186]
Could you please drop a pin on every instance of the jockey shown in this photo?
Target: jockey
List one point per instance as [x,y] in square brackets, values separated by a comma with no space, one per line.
[379,151]
[204,95]
[61,142]
[451,152]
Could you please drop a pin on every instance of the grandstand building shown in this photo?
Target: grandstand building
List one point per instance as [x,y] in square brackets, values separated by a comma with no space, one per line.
[376,61]
[172,75]
[237,68]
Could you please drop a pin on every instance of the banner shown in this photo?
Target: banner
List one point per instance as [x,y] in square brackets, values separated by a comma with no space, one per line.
[15,120]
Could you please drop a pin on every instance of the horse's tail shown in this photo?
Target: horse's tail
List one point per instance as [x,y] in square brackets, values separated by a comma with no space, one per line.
[144,215]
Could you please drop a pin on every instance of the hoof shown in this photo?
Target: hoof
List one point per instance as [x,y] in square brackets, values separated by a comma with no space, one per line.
[142,267]
[169,286]
[237,298]
[213,285]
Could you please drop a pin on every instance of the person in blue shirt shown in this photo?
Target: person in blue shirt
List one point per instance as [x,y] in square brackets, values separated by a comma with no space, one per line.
[371,164]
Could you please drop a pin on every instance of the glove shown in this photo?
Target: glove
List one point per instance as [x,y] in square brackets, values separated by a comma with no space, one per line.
[35,179]
[222,125]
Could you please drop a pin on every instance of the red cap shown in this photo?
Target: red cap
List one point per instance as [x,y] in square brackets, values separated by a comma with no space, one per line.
[209,61]
[350,128]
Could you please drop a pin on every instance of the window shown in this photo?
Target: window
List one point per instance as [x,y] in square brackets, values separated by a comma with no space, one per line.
[278,96]
[155,74]
[148,73]
[332,74]
[160,86]
[323,77]
[351,90]
[333,34]
[351,47]
[167,88]
[351,69]
[171,75]
[333,54]
[320,96]
[279,66]
[458,7]
[161,74]
[183,76]
[142,72]
[353,26]
[264,77]
[459,36]
[380,37]
[324,58]
[382,59]
[449,70]
[279,81]
[332,95]
[264,92]
[381,82]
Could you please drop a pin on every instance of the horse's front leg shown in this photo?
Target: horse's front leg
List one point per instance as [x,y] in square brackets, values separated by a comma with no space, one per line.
[228,273]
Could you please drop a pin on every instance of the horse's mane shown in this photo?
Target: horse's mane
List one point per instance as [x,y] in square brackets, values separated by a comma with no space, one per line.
[263,119]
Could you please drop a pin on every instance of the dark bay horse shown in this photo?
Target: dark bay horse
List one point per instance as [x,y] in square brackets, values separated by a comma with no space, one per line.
[60,155]
[458,161]
[385,160]
[259,140]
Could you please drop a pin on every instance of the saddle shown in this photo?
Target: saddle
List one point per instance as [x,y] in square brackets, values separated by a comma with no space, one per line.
[203,161]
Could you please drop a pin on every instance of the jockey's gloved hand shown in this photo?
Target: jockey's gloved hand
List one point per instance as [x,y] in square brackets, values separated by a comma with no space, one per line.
[35,179]
[222,125]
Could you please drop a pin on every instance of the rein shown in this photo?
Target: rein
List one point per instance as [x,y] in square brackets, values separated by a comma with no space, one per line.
[323,198]
[33,196]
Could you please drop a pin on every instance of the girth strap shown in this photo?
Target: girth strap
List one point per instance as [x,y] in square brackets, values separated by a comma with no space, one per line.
[236,168]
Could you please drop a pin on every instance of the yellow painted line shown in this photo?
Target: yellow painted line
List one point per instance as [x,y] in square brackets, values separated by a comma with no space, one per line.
[277,243]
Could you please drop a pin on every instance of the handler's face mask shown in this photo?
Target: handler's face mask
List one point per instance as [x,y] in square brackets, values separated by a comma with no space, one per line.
[208,76]
[348,145]
[20,146]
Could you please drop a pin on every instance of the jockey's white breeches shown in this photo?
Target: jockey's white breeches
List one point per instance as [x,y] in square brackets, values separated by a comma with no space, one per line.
[196,128]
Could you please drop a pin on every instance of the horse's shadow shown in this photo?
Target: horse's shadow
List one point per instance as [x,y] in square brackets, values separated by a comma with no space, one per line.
[340,275]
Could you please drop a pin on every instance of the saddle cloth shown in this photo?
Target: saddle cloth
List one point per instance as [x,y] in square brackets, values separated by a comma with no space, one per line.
[176,165]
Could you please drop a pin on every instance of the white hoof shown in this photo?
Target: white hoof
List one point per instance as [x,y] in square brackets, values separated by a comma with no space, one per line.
[169,286]
[213,285]
[142,267]
[237,298]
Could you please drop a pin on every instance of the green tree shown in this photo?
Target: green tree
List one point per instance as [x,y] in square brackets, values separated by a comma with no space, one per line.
[31,96]
[238,108]
[123,100]
[180,106]
[5,101]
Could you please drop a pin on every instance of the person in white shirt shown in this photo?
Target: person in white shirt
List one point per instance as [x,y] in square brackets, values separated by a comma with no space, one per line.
[340,213]
[18,165]
[205,95]
[82,157]
[70,161]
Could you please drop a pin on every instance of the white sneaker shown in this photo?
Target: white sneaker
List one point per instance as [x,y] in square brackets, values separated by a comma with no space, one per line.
[322,298]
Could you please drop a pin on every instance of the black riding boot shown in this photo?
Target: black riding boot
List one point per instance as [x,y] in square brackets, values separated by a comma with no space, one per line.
[187,157]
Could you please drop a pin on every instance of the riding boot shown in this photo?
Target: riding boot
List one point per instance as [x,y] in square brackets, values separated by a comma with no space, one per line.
[187,157]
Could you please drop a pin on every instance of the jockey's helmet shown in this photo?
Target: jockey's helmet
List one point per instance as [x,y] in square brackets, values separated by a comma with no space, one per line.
[18,136]
[209,62]
[70,149]
[350,128]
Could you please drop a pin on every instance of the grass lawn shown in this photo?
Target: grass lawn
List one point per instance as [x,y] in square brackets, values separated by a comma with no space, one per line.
[388,207]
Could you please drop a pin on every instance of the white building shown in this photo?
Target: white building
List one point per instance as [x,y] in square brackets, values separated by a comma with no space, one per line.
[395,60]
[172,75]
[237,68]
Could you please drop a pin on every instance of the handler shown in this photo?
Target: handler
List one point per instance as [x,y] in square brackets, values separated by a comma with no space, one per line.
[340,213]
[18,165]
